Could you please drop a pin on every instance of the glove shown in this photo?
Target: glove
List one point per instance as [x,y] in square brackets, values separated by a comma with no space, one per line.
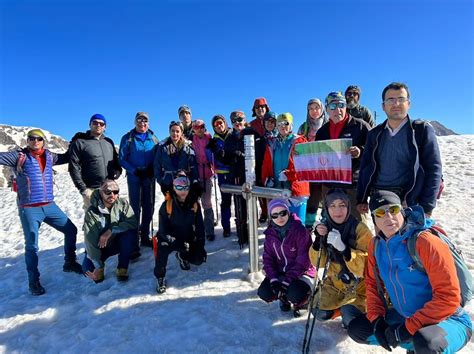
[276,287]
[212,145]
[239,153]
[86,196]
[317,242]
[270,183]
[168,240]
[196,190]
[379,332]
[140,173]
[150,171]
[398,335]
[334,239]
[282,177]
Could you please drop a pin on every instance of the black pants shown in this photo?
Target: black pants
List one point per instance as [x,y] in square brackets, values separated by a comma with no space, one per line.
[195,254]
[298,291]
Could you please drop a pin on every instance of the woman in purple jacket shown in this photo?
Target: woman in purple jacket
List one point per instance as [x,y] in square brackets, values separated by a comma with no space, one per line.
[288,270]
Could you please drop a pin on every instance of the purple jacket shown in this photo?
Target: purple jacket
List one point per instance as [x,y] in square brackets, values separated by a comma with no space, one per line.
[287,260]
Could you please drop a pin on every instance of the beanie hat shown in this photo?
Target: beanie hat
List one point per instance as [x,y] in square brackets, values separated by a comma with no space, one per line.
[142,114]
[353,88]
[236,114]
[98,116]
[261,101]
[36,132]
[183,108]
[277,203]
[269,115]
[315,100]
[335,96]
[109,184]
[334,194]
[285,117]
[218,117]
[198,123]
[381,198]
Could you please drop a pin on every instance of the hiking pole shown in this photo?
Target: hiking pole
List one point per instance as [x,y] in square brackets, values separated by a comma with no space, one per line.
[215,197]
[320,282]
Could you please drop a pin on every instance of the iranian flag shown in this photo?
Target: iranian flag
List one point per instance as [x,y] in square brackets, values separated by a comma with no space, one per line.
[324,161]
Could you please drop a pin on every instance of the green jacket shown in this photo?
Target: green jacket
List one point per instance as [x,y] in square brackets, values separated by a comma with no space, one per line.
[98,219]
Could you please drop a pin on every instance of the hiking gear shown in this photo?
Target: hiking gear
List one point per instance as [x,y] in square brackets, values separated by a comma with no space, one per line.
[183,263]
[392,209]
[100,275]
[335,96]
[161,285]
[97,116]
[333,106]
[380,326]
[122,274]
[211,237]
[35,138]
[334,239]
[36,133]
[276,287]
[226,233]
[383,197]
[397,335]
[36,288]
[277,203]
[146,242]
[285,306]
[281,214]
[134,255]
[72,266]
[262,219]
[183,109]
[209,223]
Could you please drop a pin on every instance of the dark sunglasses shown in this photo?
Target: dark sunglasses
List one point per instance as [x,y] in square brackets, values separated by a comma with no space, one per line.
[99,123]
[352,93]
[237,120]
[181,188]
[35,138]
[333,106]
[261,106]
[282,214]
[283,124]
[109,192]
[142,120]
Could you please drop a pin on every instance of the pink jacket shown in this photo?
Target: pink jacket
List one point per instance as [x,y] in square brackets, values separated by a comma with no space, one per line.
[204,156]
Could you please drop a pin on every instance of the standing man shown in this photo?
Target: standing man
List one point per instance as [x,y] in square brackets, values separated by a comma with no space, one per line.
[93,158]
[401,155]
[354,108]
[342,125]
[184,113]
[136,155]
[34,175]
[110,228]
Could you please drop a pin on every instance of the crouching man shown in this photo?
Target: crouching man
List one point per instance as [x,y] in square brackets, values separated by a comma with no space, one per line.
[110,228]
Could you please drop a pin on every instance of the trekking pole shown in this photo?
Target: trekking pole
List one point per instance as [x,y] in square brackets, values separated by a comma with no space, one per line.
[215,189]
[307,341]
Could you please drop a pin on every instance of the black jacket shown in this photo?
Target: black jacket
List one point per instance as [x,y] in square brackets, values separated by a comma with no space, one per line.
[363,113]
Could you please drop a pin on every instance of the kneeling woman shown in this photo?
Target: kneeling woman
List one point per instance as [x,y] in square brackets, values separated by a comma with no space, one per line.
[340,247]
[181,229]
[289,273]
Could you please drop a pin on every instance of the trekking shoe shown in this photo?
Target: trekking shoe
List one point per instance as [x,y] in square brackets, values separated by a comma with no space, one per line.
[226,233]
[122,274]
[36,288]
[285,306]
[161,285]
[146,242]
[183,263]
[72,266]
[100,276]
[135,255]
[262,218]
[211,237]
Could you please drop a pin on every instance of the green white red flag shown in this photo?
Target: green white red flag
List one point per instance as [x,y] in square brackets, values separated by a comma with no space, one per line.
[324,161]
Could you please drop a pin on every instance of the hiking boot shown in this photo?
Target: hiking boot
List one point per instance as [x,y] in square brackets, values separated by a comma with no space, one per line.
[100,276]
[226,233]
[211,237]
[36,288]
[262,218]
[285,305]
[72,266]
[183,263]
[134,256]
[161,285]
[146,242]
[122,274]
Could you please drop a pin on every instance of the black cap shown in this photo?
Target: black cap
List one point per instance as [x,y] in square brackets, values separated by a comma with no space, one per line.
[381,198]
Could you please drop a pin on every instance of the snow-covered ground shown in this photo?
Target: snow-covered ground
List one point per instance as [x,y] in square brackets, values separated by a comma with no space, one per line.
[211,308]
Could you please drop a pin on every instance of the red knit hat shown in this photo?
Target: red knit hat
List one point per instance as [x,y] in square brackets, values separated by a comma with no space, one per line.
[261,101]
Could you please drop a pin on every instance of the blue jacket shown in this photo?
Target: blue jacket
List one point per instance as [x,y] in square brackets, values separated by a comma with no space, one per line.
[425,176]
[34,186]
[137,154]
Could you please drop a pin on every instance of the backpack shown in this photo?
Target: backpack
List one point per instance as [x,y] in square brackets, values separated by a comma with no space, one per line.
[463,273]
[19,164]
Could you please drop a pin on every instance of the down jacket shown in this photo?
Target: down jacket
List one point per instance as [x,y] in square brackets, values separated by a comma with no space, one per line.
[287,260]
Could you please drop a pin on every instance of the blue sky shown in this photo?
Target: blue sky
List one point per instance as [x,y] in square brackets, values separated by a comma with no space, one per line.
[62,61]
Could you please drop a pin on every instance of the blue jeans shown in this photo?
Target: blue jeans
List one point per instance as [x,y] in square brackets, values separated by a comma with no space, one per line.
[122,244]
[31,219]
[141,193]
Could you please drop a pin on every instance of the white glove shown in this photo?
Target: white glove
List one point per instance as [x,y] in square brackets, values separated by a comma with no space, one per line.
[282,177]
[334,239]
[86,196]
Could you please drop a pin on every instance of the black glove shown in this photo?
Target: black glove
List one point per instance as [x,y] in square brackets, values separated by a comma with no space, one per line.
[196,189]
[150,171]
[276,288]
[284,289]
[140,173]
[317,241]
[212,145]
[379,332]
[398,335]
[168,240]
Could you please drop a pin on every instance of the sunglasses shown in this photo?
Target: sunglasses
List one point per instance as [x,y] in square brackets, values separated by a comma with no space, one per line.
[142,120]
[283,124]
[181,188]
[352,93]
[237,120]
[98,122]
[109,192]
[35,138]
[333,106]
[392,209]
[282,214]
[261,106]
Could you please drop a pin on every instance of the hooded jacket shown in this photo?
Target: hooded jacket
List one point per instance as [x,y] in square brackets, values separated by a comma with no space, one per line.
[137,154]
[204,158]
[98,219]
[287,260]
